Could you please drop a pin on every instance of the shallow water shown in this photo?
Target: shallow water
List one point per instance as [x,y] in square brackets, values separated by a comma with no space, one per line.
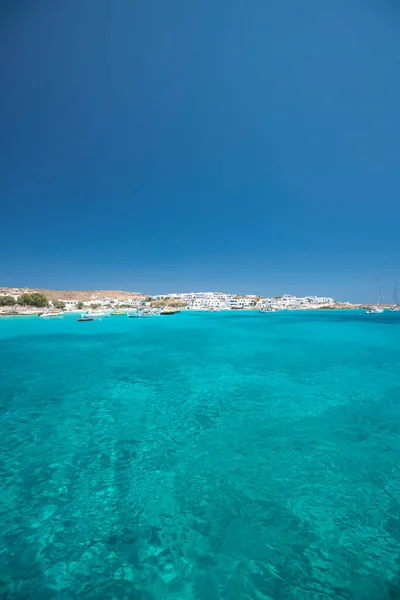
[201,456]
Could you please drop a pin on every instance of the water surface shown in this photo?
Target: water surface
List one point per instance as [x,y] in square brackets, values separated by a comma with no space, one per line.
[201,456]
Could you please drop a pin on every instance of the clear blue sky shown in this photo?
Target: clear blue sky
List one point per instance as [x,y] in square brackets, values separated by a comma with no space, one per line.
[247,146]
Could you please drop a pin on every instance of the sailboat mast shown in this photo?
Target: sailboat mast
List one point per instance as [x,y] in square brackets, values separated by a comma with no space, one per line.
[378,289]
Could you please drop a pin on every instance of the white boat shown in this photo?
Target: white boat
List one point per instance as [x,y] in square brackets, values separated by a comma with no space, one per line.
[267,309]
[373,310]
[143,313]
[395,306]
[95,314]
[47,315]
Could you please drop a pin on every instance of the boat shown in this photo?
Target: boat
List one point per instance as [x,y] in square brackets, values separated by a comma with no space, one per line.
[172,312]
[47,315]
[86,319]
[95,315]
[395,306]
[143,313]
[373,310]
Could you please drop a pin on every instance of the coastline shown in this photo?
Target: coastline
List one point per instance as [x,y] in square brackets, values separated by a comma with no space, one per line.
[33,313]
[33,301]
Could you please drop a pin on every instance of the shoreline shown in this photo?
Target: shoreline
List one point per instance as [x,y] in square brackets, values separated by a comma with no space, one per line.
[250,309]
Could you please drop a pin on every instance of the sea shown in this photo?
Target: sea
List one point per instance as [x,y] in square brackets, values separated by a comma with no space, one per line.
[201,456]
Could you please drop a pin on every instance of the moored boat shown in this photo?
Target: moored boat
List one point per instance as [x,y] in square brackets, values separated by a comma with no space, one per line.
[86,319]
[143,313]
[47,315]
[373,310]
[95,315]
[395,306]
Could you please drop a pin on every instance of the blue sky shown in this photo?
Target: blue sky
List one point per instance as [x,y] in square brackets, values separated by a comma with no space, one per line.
[241,146]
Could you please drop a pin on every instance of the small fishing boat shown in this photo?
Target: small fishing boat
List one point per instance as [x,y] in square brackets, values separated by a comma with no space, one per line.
[95,315]
[142,313]
[171,312]
[86,319]
[47,315]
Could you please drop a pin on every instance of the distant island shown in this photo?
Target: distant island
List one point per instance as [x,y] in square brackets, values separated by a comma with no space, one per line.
[30,300]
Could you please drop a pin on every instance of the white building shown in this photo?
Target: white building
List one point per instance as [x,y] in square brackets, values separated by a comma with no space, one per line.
[69,304]
[236,303]
[287,301]
[134,301]
[319,300]
[207,303]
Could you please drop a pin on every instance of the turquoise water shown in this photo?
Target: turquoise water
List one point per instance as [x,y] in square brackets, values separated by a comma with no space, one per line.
[201,456]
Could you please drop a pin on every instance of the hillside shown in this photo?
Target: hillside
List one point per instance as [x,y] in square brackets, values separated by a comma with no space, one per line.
[73,294]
